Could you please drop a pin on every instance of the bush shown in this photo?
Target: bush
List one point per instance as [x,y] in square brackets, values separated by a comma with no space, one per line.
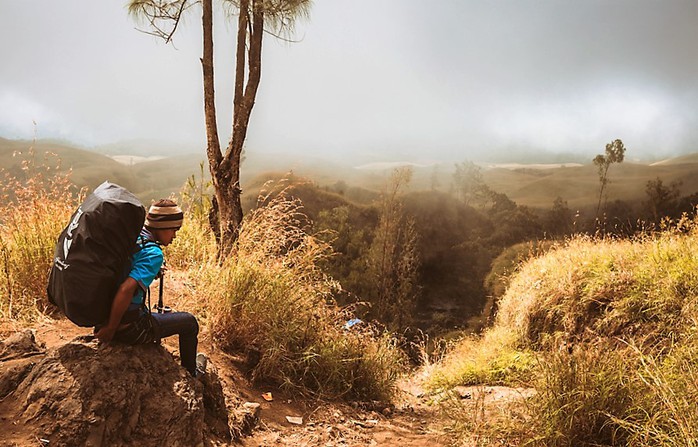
[492,359]
[579,394]
[270,296]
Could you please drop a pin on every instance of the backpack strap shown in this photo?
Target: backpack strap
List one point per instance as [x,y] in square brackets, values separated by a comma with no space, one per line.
[145,239]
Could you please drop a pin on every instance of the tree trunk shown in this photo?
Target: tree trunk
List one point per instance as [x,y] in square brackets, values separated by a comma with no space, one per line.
[227,176]
[213,146]
[225,170]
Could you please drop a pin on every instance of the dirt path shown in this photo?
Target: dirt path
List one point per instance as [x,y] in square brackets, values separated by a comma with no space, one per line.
[410,422]
[286,420]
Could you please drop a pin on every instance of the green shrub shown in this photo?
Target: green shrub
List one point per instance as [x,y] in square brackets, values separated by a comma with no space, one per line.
[492,359]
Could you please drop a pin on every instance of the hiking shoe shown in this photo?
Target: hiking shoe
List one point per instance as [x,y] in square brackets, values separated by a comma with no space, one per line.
[201,363]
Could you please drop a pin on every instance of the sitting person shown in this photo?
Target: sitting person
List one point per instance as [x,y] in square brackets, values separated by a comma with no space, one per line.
[130,320]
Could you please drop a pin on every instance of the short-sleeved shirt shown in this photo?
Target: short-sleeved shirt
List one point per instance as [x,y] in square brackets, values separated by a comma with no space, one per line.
[145,266]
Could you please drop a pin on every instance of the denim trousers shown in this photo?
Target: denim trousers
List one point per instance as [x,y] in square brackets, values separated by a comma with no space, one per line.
[183,324]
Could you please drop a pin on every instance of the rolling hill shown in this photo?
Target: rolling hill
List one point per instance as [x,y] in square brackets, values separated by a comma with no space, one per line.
[534,185]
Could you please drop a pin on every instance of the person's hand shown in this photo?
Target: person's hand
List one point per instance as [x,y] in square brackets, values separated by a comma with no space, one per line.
[105,334]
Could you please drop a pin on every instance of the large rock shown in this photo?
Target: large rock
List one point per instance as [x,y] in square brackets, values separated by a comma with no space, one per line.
[86,394]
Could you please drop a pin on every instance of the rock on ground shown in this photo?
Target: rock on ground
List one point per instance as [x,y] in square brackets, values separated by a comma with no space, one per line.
[86,394]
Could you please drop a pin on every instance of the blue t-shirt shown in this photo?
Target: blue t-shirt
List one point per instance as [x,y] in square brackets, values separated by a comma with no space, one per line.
[145,266]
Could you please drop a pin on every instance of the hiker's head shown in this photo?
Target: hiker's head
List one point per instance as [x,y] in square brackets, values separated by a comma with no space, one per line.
[163,220]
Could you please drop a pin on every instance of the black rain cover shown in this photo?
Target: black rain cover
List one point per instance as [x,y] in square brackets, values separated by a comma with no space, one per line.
[92,254]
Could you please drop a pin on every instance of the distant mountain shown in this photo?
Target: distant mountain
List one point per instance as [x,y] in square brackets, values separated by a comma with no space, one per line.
[683,159]
[146,148]
[535,185]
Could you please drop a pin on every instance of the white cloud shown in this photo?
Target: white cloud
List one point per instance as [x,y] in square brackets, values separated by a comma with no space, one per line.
[21,117]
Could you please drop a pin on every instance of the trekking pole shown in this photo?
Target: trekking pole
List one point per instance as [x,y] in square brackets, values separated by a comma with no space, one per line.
[161,307]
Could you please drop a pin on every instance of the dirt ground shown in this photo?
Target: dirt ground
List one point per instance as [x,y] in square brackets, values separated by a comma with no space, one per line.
[286,420]
[409,422]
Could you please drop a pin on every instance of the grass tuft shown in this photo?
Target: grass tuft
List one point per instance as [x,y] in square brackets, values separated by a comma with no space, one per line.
[272,297]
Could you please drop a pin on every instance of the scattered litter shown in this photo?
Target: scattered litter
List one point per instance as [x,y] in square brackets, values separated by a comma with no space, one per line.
[368,423]
[354,321]
[268,397]
[294,420]
[252,406]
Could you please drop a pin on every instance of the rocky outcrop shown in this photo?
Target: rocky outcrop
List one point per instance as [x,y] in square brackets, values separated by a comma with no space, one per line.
[87,394]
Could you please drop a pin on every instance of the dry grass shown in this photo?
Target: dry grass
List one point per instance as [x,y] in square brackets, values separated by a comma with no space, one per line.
[611,325]
[34,208]
[272,297]
[643,288]
[492,358]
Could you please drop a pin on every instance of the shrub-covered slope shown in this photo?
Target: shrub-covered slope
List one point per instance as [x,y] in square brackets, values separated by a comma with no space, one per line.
[605,331]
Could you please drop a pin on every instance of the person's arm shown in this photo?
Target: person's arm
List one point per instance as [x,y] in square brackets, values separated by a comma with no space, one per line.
[121,301]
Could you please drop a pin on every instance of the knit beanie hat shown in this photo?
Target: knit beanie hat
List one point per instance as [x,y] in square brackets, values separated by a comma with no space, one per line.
[164,215]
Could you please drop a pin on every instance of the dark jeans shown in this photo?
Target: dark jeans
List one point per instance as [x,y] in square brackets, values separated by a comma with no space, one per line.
[183,324]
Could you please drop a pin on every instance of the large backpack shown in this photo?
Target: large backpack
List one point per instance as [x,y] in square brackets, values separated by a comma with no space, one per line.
[93,253]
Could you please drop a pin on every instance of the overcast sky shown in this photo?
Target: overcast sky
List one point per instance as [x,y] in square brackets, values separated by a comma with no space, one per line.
[444,79]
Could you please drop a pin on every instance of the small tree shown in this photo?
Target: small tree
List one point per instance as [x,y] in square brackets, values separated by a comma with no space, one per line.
[559,218]
[662,201]
[394,258]
[468,183]
[255,18]
[615,152]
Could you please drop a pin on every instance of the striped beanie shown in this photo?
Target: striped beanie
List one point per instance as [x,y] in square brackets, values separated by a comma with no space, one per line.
[164,215]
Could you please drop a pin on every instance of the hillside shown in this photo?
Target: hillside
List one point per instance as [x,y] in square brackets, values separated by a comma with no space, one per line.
[593,343]
[604,330]
[535,185]
[579,186]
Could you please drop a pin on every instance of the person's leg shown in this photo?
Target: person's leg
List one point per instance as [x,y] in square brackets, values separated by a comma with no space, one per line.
[185,325]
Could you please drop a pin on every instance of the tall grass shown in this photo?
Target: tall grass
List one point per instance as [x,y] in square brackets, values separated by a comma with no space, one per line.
[611,325]
[35,207]
[271,297]
[580,395]
[668,389]
[493,358]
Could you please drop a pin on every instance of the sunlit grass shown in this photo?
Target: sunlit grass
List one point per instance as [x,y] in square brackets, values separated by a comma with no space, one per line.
[271,296]
[492,358]
[33,211]
[608,330]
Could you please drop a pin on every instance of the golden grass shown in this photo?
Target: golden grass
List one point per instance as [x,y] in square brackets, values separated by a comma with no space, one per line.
[492,358]
[272,297]
[611,326]
[646,287]
[34,210]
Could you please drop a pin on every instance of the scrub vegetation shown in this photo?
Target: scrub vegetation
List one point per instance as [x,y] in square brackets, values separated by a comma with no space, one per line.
[34,207]
[604,330]
[272,300]
[599,326]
